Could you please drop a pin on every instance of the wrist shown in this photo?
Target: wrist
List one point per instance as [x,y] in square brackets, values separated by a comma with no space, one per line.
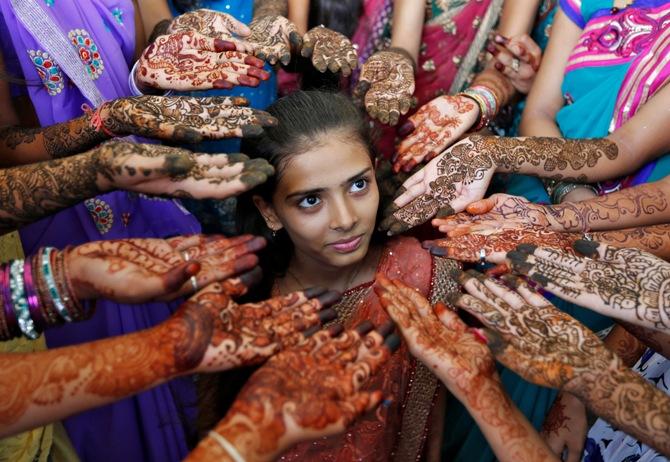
[81,289]
[241,445]
[405,54]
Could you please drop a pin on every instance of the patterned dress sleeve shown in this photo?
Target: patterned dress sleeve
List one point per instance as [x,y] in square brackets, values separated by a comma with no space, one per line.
[442,283]
[573,10]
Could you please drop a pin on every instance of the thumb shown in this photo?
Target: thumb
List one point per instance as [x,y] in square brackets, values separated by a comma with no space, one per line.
[481,206]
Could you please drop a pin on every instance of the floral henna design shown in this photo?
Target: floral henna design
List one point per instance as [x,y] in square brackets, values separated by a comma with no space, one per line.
[495,245]
[434,126]
[191,61]
[462,174]
[329,50]
[628,284]
[386,85]
[213,24]
[273,37]
[311,390]
[183,118]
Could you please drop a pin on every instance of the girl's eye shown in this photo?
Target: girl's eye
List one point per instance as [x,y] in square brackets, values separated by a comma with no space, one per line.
[309,202]
[359,185]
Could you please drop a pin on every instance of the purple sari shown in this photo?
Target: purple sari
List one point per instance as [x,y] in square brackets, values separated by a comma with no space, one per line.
[153,425]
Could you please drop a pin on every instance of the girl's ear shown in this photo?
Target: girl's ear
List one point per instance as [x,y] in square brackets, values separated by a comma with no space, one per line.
[268,212]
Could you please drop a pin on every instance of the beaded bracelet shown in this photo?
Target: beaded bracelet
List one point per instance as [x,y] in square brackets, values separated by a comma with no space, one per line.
[31,296]
[8,307]
[18,290]
[47,271]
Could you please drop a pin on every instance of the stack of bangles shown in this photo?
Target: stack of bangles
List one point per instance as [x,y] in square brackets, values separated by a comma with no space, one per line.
[36,293]
[487,102]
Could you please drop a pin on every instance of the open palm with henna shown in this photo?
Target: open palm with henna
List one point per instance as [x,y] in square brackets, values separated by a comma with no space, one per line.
[272,38]
[213,24]
[532,337]
[183,118]
[435,126]
[494,245]
[141,270]
[626,284]
[386,85]
[188,60]
[312,390]
[329,50]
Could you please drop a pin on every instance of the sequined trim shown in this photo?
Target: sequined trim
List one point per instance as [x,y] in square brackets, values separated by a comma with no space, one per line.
[48,70]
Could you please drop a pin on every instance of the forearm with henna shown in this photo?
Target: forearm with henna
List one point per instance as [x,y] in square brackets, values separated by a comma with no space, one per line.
[48,386]
[270,8]
[654,339]
[625,345]
[626,401]
[653,239]
[28,145]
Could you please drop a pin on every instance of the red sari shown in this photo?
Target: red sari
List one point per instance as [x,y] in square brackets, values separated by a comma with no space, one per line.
[398,429]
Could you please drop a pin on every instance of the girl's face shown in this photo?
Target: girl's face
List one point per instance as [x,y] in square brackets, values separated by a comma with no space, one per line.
[327,200]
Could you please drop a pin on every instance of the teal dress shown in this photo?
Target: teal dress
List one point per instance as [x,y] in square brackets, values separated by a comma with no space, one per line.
[218,216]
[606,74]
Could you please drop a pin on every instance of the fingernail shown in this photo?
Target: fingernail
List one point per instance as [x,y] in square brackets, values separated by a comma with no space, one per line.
[439,251]
[313,291]
[428,244]
[248,81]
[385,329]
[405,129]
[336,329]
[268,121]
[445,211]
[245,262]
[250,130]
[327,315]
[511,280]
[252,277]
[491,48]
[517,257]
[585,247]
[364,327]
[329,298]
[223,45]
[526,248]
[392,342]
[500,39]
[256,72]
[311,331]
[540,279]
[499,67]
[236,157]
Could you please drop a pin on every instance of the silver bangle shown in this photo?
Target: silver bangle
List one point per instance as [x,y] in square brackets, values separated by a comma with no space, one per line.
[227,446]
[135,90]
[562,189]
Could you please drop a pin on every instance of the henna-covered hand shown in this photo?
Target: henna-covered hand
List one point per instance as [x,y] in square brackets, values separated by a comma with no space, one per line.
[626,284]
[163,170]
[213,24]
[462,173]
[183,118]
[458,355]
[565,427]
[329,50]
[273,37]
[186,61]
[527,54]
[435,126]
[386,85]
[496,244]
[306,392]
[550,348]
[141,270]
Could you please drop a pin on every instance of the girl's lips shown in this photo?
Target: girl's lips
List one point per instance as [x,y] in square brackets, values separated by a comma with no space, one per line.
[348,245]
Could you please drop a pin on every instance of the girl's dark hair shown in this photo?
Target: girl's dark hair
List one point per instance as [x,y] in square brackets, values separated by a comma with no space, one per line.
[183,6]
[304,117]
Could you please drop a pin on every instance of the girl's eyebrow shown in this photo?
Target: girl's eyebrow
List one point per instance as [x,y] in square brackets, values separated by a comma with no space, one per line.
[318,190]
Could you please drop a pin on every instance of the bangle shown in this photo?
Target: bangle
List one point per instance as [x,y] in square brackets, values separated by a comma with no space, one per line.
[26,324]
[483,118]
[134,89]
[69,295]
[47,271]
[31,296]
[562,189]
[490,98]
[227,446]
[48,309]
[4,330]
[10,315]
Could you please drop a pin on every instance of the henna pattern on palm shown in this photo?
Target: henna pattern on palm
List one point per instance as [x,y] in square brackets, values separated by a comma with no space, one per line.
[188,60]
[459,357]
[273,37]
[141,270]
[468,247]
[386,86]
[462,174]
[329,50]
[213,24]
[183,118]
[313,389]
[433,128]
[627,284]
